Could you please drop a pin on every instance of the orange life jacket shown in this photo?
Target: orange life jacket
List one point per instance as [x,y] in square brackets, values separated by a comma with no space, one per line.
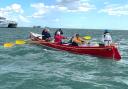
[77,40]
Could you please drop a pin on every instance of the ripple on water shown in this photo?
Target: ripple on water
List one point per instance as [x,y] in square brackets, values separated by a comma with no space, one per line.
[34,67]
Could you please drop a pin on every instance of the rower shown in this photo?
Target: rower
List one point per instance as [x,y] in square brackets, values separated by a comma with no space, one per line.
[46,34]
[107,39]
[58,38]
[77,40]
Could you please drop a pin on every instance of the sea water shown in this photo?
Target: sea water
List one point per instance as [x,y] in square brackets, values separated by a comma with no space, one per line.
[30,66]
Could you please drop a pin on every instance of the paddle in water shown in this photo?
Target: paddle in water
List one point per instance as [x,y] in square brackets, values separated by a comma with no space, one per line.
[20,42]
[87,37]
[17,42]
[7,45]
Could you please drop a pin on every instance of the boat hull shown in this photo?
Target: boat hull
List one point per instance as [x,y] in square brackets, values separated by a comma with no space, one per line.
[103,51]
[12,25]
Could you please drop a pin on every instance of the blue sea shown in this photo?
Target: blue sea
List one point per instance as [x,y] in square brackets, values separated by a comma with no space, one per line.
[31,66]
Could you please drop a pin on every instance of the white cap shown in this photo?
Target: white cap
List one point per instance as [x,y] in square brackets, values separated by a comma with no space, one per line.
[58,33]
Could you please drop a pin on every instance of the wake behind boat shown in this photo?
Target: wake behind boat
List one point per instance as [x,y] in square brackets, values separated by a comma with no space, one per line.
[101,51]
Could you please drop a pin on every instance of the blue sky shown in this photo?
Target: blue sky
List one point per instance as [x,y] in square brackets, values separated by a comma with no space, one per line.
[93,14]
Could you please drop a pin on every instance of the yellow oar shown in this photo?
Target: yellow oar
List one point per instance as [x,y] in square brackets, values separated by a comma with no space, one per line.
[87,37]
[20,42]
[7,45]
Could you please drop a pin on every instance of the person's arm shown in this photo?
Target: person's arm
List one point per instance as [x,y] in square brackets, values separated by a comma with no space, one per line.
[110,38]
[77,41]
[63,37]
[49,35]
[102,39]
[81,39]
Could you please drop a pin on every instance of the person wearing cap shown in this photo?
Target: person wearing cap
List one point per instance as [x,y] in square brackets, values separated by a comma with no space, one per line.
[76,40]
[107,39]
[59,30]
[105,32]
[46,35]
[58,38]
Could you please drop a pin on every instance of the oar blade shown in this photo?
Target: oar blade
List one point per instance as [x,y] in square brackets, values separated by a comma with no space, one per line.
[7,45]
[20,42]
[87,37]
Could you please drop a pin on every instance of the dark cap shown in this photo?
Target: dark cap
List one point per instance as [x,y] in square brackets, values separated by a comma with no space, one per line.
[59,29]
[106,31]
[77,34]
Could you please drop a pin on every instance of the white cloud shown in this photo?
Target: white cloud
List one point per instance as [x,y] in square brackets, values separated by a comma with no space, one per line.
[74,6]
[11,10]
[56,20]
[41,9]
[66,1]
[23,19]
[62,5]
[16,8]
[62,8]
[115,9]
[106,2]
[3,13]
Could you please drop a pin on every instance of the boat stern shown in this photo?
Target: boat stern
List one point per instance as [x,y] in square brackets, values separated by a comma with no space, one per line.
[116,54]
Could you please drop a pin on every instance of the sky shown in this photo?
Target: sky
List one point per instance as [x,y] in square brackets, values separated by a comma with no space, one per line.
[88,14]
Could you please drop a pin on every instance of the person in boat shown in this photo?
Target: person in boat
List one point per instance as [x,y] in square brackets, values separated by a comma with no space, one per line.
[70,40]
[77,40]
[59,30]
[46,34]
[58,38]
[107,39]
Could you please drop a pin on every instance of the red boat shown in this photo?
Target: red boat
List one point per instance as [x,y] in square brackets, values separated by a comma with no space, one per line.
[101,51]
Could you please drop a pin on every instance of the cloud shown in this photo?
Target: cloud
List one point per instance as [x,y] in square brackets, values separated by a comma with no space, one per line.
[115,9]
[56,20]
[74,6]
[62,5]
[41,9]
[11,10]
[23,19]
[66,1]
[16,8]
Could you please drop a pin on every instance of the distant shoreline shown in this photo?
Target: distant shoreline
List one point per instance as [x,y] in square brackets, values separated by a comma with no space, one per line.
[75,28]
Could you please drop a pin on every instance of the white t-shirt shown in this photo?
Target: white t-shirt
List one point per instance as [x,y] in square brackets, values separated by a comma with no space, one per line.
[108,37]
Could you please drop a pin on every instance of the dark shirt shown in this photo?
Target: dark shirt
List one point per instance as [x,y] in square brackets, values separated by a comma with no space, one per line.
[45,35]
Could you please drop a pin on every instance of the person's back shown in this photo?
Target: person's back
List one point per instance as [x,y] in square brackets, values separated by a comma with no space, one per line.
[46,35]
[107,39]
[43,34]
[76,40]
[58,38]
